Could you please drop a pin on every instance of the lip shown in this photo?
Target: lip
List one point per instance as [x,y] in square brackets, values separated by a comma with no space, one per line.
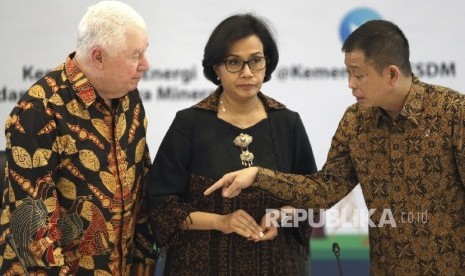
[359,99]
[246,85]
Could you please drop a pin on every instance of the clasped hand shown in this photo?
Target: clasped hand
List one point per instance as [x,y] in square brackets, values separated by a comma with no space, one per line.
[241,223]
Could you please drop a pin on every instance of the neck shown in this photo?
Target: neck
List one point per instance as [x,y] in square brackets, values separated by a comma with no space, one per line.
[91,75]
[234,106]
[242,114]
[400,96]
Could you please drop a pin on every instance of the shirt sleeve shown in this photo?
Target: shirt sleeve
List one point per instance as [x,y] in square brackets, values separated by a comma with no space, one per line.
[322,189]
[303,163]
[145,256]
[33,151]
[168,183]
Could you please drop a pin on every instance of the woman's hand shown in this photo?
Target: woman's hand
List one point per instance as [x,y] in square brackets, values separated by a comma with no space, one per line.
[240,222]
[274,219]
[270,230]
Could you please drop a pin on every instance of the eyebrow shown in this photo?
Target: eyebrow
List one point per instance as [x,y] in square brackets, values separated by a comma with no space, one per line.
[251,55]
[353,67]
[140,50]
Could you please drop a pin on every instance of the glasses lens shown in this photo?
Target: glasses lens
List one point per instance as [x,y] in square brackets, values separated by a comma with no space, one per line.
[257,63]
[235,64]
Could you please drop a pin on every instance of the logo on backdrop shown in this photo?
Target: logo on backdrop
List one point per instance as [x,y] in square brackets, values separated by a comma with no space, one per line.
[354,19]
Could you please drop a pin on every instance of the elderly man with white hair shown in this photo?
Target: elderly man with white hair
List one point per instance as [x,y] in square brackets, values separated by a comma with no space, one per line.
[77,158]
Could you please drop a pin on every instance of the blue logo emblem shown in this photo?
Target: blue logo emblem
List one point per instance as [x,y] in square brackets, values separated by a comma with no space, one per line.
[354,19]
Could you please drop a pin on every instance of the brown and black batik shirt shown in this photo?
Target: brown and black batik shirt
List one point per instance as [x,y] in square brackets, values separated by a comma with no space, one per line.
[412,174]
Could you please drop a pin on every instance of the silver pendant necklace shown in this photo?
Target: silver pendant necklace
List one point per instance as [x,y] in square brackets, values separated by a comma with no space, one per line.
[243,140]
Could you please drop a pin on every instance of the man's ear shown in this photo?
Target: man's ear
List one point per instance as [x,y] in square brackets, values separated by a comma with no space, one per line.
[97,54]
[394,73]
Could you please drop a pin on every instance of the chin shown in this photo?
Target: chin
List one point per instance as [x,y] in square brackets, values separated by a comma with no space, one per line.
[249,93]
[366,105]
[132,87]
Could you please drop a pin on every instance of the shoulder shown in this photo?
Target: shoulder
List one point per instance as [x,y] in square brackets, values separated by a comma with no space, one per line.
[194,116]
[36,98]
[442,94]
[436,89]
[442,99]
[285,120]
[357,119]
[358,113]
[46,89]
[284,114]
[192,112]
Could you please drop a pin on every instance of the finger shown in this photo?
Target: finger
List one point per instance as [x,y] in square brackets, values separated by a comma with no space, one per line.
[263,223]
[270,233]
[218,184]
[250,225]
[240,180]
[241,225]
[230,194]
[236,193]
[248,233]
[241,228]
[251,221]
[231,190]
[251,239]
[243,233]
[266,233]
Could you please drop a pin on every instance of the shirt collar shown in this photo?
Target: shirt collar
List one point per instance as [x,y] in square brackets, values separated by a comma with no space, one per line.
[413,107]
[212,101]
[81,85]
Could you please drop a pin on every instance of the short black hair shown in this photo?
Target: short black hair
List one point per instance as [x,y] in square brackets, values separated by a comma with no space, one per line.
[229,31]
[383,44]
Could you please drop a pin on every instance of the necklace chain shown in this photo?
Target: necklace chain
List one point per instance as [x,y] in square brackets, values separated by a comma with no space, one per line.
[242,124]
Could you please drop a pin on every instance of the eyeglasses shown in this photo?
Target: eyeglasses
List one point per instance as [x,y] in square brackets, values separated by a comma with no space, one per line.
[234,65]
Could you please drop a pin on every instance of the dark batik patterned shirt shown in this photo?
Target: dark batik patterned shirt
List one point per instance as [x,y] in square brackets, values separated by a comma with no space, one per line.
[76,176]
[412,167]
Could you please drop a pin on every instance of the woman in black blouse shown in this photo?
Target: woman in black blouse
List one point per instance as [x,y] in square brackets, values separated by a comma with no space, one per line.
[235,127]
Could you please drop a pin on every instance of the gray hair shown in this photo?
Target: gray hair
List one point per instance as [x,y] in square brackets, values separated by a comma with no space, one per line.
[105,24]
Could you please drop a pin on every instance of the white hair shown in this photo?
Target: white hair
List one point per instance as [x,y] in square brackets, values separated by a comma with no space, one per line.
[105,24]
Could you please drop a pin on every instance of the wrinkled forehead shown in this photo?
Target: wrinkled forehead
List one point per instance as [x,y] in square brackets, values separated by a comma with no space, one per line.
[136,40]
